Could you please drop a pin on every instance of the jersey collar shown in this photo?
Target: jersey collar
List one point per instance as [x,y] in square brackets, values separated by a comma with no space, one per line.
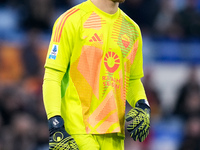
[104,14]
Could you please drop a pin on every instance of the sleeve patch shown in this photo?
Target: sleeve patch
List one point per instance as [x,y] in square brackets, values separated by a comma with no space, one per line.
[54,52]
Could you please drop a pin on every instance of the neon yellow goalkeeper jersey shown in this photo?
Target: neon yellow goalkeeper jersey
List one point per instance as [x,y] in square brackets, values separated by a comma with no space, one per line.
[100,54]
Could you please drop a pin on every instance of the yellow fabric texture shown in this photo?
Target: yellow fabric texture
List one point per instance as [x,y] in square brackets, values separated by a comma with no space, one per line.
[135,92]
[99,142]
[101,57]
[51,92]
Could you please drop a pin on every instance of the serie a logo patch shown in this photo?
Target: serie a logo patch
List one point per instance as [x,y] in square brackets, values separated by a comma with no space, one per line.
[54,52]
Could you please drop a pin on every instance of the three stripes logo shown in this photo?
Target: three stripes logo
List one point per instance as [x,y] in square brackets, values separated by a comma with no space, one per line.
[95,38]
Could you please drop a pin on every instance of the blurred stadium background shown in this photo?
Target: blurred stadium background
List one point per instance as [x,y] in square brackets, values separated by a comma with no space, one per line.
[171,35]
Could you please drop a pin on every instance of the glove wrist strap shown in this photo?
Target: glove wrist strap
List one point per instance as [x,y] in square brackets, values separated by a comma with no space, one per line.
[55,122]
[142,102]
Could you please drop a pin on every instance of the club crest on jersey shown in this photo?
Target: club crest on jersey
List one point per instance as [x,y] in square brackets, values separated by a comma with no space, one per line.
[125,40]
[54,52]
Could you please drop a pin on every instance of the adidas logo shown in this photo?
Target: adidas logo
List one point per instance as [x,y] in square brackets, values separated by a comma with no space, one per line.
[95,38]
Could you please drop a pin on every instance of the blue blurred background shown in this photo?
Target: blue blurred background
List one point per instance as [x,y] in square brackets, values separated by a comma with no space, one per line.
[171,37]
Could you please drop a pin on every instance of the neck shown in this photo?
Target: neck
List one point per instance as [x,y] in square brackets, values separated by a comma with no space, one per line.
[107,6]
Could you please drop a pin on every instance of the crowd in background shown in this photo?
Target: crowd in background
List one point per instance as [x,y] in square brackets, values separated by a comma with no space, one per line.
[158,18]
[25,30]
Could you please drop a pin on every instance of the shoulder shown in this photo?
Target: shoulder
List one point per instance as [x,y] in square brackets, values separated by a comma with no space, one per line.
[130,21]
[75,14]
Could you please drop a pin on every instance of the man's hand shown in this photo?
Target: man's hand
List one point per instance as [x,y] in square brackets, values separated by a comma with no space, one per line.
[59,139]
[140,117]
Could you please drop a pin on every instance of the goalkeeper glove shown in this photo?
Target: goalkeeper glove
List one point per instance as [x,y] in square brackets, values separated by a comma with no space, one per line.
[140,117]
[59,138]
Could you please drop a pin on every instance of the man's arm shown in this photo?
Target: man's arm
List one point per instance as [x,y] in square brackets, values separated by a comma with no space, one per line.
[140,114]
[57,63]
[135,92]
[52,92]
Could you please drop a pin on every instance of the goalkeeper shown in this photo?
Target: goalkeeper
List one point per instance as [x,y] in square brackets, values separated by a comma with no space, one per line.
[93,65]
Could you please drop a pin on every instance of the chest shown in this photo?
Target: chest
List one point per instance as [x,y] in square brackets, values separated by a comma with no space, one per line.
[116,36]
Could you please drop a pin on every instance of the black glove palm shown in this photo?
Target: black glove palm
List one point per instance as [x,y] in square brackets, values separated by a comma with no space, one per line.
[139,128]
[59,138]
